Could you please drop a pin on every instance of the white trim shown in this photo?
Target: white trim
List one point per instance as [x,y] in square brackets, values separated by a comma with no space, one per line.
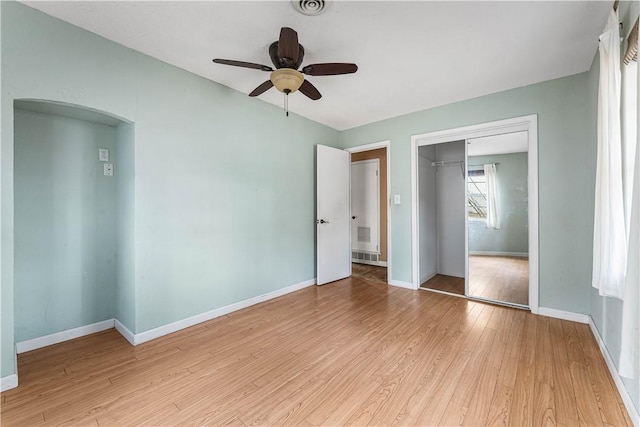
[125,332]
[498,127]
[401,284]
[203,317]
[58,337]
[369,147]
[437,291]
[467,284]
[8,382]
[374,146]
[564,315]
[363,261]
[497,253]
[624,394]
[517,124]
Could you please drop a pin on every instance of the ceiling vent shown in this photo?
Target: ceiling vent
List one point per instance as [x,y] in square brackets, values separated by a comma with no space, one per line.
[310,7]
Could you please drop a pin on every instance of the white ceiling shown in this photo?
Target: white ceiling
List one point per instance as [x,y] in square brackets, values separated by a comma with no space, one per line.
[516,142]
[411,55]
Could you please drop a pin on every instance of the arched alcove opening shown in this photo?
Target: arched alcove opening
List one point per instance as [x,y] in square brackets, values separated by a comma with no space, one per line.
[73,206]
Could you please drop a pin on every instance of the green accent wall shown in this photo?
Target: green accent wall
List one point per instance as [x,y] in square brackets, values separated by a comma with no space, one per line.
[513,198]
[224,184]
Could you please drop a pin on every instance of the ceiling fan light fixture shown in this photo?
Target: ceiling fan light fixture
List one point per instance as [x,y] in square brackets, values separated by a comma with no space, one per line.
[287,80]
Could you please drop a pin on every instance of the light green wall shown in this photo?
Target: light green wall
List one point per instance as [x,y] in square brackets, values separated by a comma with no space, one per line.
[125,185]
[607,312]
[65,227]
[224,183]
[564,186]
[513,234]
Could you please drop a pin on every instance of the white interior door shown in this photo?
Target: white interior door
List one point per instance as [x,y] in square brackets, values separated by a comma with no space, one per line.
[365,205]
[333,221]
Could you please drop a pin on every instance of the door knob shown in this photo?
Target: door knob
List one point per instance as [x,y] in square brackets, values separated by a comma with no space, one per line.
[322,221]
[353,217]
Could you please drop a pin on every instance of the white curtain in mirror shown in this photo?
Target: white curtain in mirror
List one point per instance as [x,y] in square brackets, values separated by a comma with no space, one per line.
[493,216]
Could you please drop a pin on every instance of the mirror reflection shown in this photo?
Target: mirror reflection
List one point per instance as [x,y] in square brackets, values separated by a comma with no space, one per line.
[497,218]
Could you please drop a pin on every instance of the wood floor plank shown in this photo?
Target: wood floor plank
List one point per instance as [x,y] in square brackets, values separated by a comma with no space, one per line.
[521,412]
[351,352]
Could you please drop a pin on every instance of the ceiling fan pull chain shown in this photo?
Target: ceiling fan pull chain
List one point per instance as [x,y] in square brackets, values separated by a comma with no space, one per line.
[286,103]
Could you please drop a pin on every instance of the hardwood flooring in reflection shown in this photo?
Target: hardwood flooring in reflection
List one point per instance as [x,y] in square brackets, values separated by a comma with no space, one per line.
[369,272]
[499,278]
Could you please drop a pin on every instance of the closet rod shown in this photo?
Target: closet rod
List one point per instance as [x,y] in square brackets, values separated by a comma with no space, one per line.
[453,162]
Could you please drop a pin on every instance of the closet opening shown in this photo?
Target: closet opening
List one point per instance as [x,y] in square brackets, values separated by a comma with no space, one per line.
[441,195]
[474,212]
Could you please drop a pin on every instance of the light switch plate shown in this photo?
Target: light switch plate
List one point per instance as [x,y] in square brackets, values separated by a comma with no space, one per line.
[103,154]
[108,169]
[396,199]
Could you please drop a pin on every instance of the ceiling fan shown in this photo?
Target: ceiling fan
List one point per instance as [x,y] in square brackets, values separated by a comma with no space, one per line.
[287,54]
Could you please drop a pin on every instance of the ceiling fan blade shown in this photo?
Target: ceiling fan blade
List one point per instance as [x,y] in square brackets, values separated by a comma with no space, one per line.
[310,90]
[288,44]
[262,88]
[330,69]
[242,64]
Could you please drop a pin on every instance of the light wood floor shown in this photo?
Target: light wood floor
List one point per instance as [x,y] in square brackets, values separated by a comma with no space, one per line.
[350,352]
[499,278]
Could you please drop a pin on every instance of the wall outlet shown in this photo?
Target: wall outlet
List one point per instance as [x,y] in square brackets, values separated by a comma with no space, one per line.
[108,169]
[103,155]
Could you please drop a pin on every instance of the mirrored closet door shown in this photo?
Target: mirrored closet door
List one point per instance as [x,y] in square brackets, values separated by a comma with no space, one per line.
[497,218]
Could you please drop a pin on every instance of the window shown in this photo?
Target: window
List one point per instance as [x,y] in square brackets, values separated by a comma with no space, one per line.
[476,195]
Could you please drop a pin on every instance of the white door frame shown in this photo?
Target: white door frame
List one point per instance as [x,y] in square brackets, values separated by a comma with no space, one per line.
[517,124]
[374,146]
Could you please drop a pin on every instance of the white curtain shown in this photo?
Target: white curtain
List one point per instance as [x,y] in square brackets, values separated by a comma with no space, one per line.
[493,217]
[630,343]
[609,236]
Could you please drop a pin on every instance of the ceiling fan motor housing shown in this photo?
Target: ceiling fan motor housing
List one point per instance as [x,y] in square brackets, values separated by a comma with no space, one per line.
[285,62]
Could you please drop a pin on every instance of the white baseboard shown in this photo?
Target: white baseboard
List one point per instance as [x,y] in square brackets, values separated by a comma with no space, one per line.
[626,398]
[203,317]
[47,340]
[376,263]
[125,332]
[564,315]
[401,284]
[8,382]
[497,253]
